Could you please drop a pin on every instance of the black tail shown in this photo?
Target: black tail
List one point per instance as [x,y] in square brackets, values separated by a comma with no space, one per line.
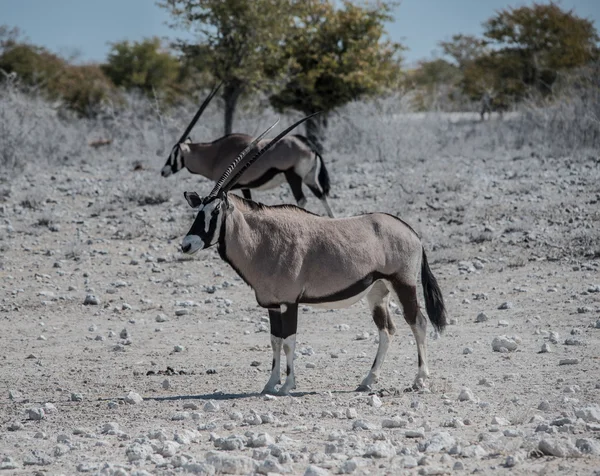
[323,177]
[434,301]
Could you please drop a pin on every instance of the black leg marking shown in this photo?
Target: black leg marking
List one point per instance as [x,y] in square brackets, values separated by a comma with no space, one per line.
[275,320]
[380,317]
[246,193]
[295,182]
[288,370]
[289,321]
[408,298]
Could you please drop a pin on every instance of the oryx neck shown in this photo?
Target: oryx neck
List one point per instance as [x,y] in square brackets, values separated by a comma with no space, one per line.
[200,158]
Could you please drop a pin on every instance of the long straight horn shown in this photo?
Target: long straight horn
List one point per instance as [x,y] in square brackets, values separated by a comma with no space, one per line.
[238,159]
[199,113]
[256,156]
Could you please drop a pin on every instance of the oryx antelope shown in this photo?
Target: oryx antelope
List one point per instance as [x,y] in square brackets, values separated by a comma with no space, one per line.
[290,257]
[293,159]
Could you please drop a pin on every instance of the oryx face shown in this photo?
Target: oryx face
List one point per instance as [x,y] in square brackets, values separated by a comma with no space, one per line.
[175,162]
[207,225]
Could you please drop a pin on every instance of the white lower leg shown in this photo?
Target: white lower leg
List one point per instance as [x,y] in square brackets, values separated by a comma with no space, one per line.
[276,370]
[289,347]
[420,332]
[373,375]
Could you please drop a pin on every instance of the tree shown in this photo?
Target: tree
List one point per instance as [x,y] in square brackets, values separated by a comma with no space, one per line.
[539,41]
[143,65]
[237,41]
[433,83]
[464,49]
[334,56]
[82,88]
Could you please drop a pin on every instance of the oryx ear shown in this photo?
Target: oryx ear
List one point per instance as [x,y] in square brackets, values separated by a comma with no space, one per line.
[193,199]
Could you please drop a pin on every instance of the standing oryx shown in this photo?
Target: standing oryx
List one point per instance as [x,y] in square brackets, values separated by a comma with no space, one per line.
[290,257]
[293,160]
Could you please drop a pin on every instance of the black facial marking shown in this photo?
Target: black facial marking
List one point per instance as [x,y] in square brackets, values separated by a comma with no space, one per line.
[198,227]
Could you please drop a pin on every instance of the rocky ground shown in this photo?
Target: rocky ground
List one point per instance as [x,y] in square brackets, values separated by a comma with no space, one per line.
[120,356]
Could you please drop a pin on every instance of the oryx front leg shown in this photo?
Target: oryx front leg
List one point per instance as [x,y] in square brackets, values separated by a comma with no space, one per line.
[378,299]
[289,325]
[276,341]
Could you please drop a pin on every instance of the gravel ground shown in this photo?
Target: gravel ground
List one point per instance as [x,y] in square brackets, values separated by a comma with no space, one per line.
[120,356]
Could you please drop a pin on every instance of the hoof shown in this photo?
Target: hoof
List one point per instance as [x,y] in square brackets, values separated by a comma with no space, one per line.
[363,388]
[269,391]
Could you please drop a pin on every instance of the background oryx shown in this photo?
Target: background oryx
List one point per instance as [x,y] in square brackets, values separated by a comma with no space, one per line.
[293,159]
[290,257]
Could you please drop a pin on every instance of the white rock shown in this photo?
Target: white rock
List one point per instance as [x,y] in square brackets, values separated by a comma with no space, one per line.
[544,405]
[36,414]
[110,428]
[49,408]
[466,395]
[211,406]
[261,440]
[415,433]
[375,401]
[351,413]
[560,448]
[395,422]
[133,398]
[508,343]
[438,442]
[231,464]
[545,348]
[589,414]
[362,425]
[381,449]
[500,421]
[161,318]
[201,468]
[313,470]
[574,361]
[588,446]
[231,443]
[474,451]
[169,449]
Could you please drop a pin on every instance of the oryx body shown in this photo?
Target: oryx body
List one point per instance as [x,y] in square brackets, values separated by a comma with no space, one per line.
[290,257]
[293,159]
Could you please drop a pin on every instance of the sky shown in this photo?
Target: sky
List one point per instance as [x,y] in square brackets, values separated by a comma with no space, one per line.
[87,27]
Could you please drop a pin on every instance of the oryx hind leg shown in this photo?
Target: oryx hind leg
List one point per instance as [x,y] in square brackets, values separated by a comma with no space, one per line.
[378,299]
[295,182]
[407,297]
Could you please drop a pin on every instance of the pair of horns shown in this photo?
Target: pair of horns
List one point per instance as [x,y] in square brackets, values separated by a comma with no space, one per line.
[220,188]
[199,113]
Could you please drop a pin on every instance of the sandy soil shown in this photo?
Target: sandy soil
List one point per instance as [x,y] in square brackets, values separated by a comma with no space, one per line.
[510,235]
